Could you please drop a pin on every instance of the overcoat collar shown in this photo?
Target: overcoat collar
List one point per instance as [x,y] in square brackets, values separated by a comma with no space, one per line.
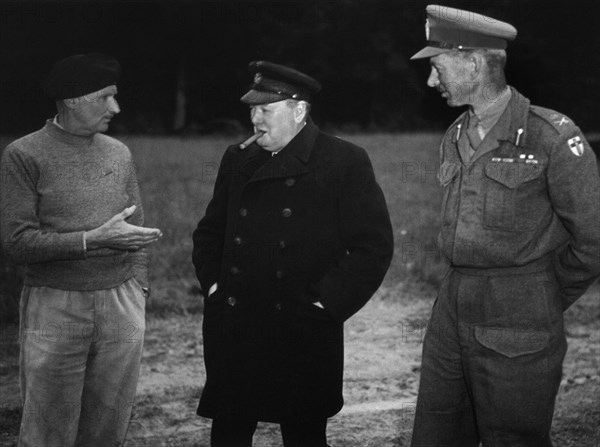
[511,127]
[290,161]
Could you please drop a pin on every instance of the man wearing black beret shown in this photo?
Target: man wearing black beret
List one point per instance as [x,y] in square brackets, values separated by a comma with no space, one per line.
[70,211]
[295,240]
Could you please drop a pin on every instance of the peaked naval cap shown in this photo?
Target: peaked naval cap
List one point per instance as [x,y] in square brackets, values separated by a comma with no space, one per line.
[273,82]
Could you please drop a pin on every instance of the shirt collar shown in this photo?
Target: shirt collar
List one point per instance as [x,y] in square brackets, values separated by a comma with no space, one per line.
[55,122]
[489,116]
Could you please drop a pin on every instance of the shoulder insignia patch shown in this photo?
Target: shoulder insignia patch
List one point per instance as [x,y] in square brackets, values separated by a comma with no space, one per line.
[558,121]
[561,121]
[576,146]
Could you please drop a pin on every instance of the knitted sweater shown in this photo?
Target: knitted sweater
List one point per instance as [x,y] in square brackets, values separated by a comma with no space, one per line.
[54,186]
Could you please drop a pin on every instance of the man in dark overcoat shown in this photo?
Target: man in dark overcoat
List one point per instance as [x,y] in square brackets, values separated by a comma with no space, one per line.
[521,232]
[295,240]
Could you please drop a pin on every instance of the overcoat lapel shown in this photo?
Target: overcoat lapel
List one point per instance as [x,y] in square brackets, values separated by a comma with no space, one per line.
[256,158]
[291,161]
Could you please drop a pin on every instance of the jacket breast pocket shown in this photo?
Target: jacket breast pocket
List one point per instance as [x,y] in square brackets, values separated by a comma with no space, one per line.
[505,188]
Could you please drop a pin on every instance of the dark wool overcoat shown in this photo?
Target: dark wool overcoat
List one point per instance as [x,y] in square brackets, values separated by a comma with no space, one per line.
[281,232]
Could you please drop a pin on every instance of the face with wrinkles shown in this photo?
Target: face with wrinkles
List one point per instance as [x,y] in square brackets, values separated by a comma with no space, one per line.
[451,75]
[92,113]
[280,121]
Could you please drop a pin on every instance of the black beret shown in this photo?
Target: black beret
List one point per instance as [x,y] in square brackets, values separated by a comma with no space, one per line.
[81,74]
[273,82]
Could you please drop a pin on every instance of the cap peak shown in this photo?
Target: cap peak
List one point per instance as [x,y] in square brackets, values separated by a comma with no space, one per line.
[448,29]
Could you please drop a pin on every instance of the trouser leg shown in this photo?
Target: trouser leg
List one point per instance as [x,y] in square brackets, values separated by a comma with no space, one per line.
[52,365]
[304,433]
[232,432]
[444,416]
[513,348]
[113,366]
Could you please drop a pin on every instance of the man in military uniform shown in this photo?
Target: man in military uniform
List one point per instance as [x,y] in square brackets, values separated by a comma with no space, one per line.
[295,240]
[520,229]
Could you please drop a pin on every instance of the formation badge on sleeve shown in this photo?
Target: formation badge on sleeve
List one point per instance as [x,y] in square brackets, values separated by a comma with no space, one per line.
[576,146]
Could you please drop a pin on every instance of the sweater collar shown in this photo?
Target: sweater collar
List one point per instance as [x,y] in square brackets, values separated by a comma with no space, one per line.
[62,135]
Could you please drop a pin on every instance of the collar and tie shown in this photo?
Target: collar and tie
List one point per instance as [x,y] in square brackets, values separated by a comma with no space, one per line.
[473,135]
[470,138]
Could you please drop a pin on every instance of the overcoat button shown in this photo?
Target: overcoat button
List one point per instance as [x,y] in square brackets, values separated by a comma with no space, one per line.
[286,212]
[243,212]
[235,271]
[278,306]
[231,301]
[279,274]
[282,244]
[290,181]
[237,240]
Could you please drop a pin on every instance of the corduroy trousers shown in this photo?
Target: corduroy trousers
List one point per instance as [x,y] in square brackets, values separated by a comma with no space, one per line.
[79,364]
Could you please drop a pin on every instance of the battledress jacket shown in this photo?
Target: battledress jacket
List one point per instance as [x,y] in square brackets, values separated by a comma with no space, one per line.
[281,232]
[531,192]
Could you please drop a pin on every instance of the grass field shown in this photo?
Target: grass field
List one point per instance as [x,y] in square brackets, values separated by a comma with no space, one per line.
[176,177]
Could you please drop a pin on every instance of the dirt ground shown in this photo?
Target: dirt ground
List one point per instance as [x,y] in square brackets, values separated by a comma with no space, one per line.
[383,349]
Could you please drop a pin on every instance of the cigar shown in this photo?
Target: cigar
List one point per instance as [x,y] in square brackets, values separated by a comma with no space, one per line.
[251,140]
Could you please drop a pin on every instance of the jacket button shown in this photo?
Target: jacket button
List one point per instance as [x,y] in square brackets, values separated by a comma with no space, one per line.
[286,212]
[237,240]
[282,244]
[235,271]
[243,212]
[290,181]
[278,306]
[231,301]
[279,274]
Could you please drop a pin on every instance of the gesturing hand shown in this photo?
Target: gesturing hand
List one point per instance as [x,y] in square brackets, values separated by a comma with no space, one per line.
[118,234]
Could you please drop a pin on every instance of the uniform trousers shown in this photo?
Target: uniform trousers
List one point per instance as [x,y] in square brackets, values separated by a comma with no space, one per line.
[238,433]
[79,364]
[492,359]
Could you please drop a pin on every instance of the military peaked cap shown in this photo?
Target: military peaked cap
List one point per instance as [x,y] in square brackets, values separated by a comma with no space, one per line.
[448,29]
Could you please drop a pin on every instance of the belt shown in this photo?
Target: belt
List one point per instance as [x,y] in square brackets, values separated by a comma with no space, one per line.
[539,265]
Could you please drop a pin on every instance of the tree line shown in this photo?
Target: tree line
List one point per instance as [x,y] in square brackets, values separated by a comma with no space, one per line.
[184,63]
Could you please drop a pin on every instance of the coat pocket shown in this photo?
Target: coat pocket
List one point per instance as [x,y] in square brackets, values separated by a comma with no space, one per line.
[448,172]
[511,342]
[503,185]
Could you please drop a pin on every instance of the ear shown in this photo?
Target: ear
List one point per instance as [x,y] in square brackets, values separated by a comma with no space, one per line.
[300,112]
[476,62]
[70,103]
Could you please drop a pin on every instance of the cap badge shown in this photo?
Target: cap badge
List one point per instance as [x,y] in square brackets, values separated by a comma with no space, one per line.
[257,78]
